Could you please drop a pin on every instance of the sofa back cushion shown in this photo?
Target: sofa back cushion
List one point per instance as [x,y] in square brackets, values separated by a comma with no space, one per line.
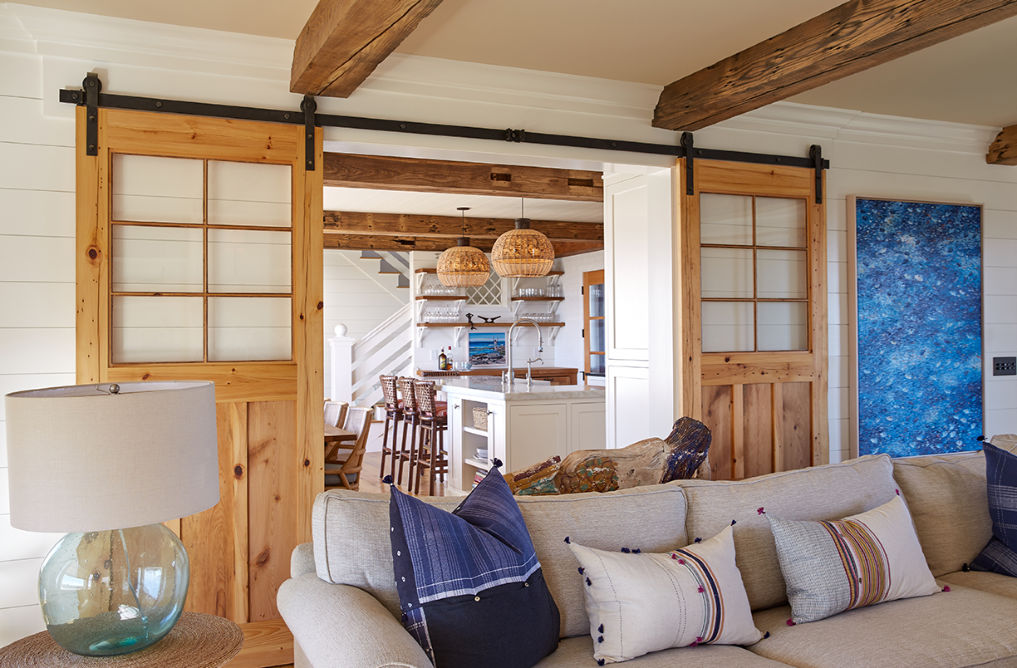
[352,545]
[819,493]
[947,497]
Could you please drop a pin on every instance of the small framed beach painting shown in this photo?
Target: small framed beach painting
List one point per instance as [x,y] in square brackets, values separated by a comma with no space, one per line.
[487,348]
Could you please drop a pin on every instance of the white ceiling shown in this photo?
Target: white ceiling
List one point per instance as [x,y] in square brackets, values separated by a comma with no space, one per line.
[969,79]
[442,204]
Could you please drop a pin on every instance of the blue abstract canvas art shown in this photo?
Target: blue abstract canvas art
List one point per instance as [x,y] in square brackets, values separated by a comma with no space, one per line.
[919,295]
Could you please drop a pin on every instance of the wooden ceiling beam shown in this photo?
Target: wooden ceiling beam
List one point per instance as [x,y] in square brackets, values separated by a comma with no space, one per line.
[344,40]
[1003,150]
[451,227]
[849,38]
[472,178]
[411,243]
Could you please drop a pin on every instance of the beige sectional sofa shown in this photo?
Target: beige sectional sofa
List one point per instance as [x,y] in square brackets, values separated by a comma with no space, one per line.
[342,606]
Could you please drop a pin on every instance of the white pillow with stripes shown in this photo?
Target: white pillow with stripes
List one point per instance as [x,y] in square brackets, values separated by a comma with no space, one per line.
[645,602]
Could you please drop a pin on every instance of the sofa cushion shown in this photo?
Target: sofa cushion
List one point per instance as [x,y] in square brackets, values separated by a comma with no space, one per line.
[946,496]
[994,583]
[578,652]
[862,560]
[818,493]
[470,586]
[351,537]
[962,627]
[648,601]
[1000,555]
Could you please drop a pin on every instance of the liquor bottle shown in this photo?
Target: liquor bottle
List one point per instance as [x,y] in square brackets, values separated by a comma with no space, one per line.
[442,360]
[449,362]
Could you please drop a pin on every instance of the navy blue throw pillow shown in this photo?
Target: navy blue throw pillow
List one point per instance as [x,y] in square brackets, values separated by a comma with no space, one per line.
[1000,555]
[470,587]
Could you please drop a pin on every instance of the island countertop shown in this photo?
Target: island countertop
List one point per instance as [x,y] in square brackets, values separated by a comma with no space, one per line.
[485,388]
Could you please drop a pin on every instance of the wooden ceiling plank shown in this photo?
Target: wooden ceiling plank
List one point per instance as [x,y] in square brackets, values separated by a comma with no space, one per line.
[1003,150]
[849,38]
[410,243]
[447,176]
[451,227]
[343,41]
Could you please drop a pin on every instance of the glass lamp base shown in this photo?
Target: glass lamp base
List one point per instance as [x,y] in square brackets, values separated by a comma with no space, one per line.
[113,592]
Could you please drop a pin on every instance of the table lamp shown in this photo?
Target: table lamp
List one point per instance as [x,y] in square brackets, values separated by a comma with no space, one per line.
[108,463]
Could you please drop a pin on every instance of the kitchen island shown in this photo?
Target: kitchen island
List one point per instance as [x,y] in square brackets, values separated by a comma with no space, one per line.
[524,424]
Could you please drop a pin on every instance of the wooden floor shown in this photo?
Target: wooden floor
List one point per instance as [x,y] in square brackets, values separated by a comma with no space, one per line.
[370,482]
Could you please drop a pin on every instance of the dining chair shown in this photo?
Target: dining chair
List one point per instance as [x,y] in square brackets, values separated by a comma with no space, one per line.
[335,413]
[343,468]
[433,418]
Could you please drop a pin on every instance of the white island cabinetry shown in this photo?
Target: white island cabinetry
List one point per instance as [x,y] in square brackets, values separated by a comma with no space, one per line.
[525,425]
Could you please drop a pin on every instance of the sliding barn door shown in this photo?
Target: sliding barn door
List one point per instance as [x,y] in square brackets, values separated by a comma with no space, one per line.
[753,315]
[199,250]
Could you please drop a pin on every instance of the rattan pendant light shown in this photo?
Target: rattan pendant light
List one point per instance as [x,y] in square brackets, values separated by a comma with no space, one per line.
[463,265]
[522,252]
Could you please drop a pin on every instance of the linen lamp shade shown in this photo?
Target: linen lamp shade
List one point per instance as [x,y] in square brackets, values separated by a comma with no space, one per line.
[83,458]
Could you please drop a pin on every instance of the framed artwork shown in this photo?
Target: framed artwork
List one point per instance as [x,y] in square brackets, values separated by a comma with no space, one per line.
[487,348]
[915,277]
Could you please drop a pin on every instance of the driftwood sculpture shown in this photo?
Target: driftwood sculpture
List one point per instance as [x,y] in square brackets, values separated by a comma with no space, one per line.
[647,462]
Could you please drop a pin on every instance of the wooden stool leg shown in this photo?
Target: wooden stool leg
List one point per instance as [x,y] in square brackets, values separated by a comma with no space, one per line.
[402,449]
[441,438]
[434,458]
[395,453]
[413,458]
[384,446]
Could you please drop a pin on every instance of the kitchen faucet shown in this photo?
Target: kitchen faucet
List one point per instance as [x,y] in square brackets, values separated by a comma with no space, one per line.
[510,375]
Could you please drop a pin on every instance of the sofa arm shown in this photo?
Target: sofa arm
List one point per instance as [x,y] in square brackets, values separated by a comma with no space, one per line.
[339,625]
[302,560]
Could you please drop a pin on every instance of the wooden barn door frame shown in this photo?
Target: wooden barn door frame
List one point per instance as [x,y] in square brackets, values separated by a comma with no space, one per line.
[696,368]
[299,379]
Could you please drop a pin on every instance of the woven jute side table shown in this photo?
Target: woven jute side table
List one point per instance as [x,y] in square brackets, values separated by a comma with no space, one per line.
[197,641]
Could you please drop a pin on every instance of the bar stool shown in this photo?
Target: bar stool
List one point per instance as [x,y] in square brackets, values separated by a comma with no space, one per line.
[433,417]
[411,419]
[393,416]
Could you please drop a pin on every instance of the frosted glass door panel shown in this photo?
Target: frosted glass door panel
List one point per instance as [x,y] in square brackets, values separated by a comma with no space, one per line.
[597,365]
[157,329]
[596,300]
[157,190]
[725,219]
[727,273]
[783,326]
[248,261]
[597,336]
[157,259]
[249,328]
[781,274]
[780,222]
[727,327]
[248,193]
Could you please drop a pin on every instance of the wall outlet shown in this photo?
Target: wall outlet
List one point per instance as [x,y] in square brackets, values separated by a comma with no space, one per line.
[1004,366]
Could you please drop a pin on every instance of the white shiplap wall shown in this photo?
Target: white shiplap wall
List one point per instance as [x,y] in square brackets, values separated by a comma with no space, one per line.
[42,50]
[36,298]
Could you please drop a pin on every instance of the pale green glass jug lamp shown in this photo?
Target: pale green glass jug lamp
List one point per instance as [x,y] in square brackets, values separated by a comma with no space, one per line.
[109,463]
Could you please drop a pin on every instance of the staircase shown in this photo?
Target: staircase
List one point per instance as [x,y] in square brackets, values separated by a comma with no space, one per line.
[393,263]
[385,350]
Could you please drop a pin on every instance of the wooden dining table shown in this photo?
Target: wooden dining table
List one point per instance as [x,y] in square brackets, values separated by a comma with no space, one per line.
[338,434]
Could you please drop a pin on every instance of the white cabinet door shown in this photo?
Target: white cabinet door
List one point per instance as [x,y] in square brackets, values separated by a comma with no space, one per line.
[535,433]
[628,405]
[587,430]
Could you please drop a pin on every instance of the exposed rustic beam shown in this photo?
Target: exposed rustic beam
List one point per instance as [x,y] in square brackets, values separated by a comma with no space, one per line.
[1003,150]
[411,243]
[847,39]
[474,178]
[344,40]
[450,227]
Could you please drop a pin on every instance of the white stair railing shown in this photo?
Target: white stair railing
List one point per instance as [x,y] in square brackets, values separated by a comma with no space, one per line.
[385,350]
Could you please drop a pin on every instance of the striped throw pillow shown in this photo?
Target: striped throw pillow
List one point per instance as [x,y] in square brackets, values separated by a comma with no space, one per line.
[865,559]
[645,602]
[1000,555]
